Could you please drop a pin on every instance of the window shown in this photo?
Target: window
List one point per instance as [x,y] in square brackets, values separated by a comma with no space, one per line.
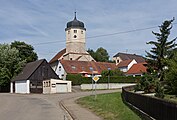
[59,68]
[83,68]
[82,32]
[75,36]
[75,31]
[91,68]
[73,67]
[71,59]
[68,32]
[44,84]
[53,85]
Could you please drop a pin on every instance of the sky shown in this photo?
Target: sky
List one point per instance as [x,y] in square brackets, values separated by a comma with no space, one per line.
[116,23]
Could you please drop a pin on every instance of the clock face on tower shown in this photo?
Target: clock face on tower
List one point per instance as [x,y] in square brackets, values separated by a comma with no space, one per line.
[75,36]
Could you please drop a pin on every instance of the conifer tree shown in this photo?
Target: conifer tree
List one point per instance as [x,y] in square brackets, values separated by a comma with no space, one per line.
[161,50]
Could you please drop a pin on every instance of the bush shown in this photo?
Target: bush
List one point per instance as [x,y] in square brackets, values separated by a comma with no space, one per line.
[77,79]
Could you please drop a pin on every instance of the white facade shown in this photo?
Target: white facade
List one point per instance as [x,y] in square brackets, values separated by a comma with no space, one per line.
[75,40]
[60,70]
[21,86]
[126,68]
[56,86]
[131,64]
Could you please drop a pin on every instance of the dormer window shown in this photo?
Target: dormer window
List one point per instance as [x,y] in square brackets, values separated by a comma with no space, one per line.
[75,31]
[73,67]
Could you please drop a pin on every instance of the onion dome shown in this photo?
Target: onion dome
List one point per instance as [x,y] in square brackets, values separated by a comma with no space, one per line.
[75,24]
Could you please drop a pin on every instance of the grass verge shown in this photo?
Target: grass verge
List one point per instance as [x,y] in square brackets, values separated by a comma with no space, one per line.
[108,106]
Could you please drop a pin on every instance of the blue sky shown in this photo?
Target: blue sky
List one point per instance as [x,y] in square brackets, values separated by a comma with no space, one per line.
[44,21]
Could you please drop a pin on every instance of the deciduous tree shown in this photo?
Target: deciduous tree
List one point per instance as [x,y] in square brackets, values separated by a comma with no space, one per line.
[10,63]
[26,51]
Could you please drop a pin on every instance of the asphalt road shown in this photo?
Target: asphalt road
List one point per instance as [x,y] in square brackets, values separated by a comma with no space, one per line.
[43,107]
[28,107]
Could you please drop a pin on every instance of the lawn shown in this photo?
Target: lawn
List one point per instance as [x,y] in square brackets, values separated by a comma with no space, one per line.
[109,107]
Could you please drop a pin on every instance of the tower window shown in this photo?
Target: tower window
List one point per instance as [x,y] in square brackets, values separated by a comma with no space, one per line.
[82,32]
[75,31]
[75,36]
[68,32]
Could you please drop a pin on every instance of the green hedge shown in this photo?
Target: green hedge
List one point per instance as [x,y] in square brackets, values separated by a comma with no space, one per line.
[77,79]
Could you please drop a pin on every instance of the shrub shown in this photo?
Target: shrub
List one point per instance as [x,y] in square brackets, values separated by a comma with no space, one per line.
[77,79]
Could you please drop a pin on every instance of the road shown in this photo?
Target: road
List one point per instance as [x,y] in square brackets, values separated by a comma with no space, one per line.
[42,107]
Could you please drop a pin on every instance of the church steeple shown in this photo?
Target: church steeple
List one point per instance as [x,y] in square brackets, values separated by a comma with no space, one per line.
[75,23]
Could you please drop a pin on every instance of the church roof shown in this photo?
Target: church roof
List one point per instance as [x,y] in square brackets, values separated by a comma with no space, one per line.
[57,56]
[75,24]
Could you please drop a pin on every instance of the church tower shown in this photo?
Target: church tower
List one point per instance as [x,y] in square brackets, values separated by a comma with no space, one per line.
[75,41]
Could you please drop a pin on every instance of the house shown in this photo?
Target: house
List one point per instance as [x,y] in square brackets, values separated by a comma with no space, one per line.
[137,70]
[124,56]
[124,66]
[86,68]
[30,80]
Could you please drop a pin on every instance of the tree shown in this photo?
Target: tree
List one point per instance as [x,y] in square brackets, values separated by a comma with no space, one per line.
[10,64]
[26,51]
[172,75]
[162,50]
[101,54]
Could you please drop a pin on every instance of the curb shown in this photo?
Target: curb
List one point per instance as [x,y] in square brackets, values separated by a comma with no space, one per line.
[70,115]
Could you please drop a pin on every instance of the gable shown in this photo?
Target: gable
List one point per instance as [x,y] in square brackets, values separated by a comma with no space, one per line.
[32,70]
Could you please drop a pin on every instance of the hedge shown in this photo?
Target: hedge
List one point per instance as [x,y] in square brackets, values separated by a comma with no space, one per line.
[77,79]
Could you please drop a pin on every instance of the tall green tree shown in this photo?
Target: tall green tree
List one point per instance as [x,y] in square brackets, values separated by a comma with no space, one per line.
[10,63]
[172,74]
[26,51]
[100,55]
[161,50]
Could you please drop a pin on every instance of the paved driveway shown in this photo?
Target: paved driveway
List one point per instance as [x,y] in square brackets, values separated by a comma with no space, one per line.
[43,107]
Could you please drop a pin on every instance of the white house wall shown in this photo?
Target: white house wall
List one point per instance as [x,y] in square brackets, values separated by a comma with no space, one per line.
[131,64]
[60,70]
[22,86]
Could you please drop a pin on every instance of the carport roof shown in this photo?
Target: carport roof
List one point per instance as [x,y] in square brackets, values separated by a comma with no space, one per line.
[28,70]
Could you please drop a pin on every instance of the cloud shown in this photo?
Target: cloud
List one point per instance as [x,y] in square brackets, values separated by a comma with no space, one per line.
[38,21]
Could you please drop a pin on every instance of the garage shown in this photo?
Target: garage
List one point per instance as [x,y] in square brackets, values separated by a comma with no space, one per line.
[56,86]
[61,87]
[30,80]
[22,86]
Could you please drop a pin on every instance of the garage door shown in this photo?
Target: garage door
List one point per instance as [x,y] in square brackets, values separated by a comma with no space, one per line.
[21,86]
[61,87]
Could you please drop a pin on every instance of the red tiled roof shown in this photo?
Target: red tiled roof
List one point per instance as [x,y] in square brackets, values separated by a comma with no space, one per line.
[74,67]
[58,55]
[124,63]
[125,56]
[137,69]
